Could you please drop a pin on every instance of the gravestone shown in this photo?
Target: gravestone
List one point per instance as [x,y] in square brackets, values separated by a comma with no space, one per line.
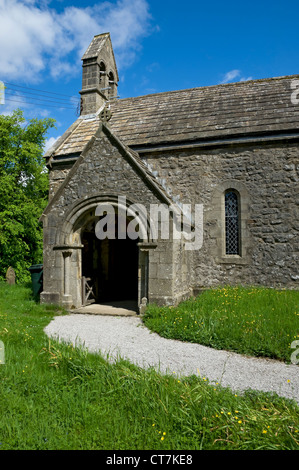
[10,276]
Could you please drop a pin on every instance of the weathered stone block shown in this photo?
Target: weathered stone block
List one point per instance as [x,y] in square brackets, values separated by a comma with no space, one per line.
[50,298]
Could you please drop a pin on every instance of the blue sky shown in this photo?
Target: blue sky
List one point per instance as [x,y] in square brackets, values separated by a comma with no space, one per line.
[160,45]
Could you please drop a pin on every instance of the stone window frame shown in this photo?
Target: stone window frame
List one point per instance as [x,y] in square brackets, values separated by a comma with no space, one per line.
[237,235]
[102,72]
[218,215]
[111,84]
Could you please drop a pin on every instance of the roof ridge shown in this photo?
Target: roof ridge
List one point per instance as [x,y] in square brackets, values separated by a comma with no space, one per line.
[219,85]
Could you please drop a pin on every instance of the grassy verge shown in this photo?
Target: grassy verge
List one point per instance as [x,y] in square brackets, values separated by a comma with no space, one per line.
[253,321]
[53,396]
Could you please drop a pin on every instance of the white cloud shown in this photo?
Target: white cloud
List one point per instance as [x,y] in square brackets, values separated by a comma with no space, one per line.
[49,143]
[36,39]
[233,75]
[25,32]
[245,79]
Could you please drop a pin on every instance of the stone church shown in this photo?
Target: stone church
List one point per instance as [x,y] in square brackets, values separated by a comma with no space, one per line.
[231,149]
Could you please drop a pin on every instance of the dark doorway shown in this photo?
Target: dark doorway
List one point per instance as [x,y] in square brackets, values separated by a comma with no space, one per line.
[111,267]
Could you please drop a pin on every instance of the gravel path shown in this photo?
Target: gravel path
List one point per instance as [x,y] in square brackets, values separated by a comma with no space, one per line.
[128,338]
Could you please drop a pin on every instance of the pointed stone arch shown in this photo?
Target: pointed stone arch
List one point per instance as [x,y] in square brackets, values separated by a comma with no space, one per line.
[70,243]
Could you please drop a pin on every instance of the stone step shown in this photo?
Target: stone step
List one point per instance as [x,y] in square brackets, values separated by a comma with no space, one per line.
[117,308]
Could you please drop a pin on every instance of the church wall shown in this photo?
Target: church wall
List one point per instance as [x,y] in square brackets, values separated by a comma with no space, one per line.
[57,177]
[266,177]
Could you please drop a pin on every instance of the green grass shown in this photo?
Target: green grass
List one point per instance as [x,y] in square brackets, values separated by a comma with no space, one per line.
[252,321]
[54,396]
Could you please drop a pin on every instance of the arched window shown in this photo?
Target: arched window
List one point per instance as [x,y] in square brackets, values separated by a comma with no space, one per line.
[102,71]
[232,222]
[111,84]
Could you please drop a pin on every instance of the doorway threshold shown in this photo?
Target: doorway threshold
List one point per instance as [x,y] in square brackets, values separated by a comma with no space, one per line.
[115,308]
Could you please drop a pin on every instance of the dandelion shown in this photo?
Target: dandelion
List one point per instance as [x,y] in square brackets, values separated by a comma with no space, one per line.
[264,431]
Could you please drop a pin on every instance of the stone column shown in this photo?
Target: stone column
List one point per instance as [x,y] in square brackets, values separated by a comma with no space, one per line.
[144,248]
[67,298]
[65,276]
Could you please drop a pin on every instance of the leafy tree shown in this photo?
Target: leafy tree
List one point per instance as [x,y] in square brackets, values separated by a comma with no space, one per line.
[23,191]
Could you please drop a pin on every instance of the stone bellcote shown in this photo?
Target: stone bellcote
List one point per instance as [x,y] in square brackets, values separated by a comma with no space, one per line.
[99,76]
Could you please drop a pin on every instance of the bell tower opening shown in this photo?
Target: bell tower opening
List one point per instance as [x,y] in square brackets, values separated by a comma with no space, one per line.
[112,90]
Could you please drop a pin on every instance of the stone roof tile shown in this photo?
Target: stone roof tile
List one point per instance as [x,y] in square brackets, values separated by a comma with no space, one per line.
[200,113]
[236,109]
[95,46]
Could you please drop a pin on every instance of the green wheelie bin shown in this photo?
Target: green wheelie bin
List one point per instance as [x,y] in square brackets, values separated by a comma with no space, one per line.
[36,272]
